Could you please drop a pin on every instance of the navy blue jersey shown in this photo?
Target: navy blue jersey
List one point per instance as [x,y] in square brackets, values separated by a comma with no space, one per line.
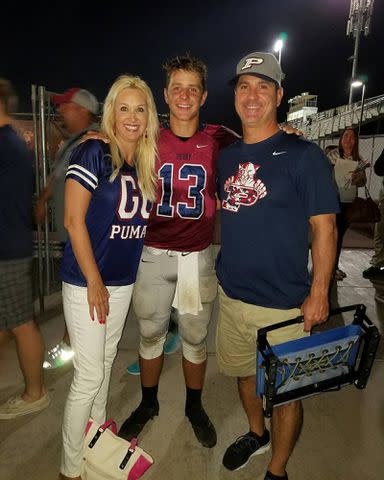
[268,192]
[16,191]
[116,218]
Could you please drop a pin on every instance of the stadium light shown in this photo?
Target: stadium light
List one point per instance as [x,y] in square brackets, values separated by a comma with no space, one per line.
[357,83]
[278,47]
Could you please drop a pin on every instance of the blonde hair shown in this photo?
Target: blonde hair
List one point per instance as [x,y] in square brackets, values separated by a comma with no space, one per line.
[146,150]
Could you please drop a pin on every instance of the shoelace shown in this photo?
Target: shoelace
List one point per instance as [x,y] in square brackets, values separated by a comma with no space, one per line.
[13,400]
[246,439]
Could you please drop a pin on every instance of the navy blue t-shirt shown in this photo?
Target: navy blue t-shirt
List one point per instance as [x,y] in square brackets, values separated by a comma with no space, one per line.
[16,191]
[268,191]
[116,218]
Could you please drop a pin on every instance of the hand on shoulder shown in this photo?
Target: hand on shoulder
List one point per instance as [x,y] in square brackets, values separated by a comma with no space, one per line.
[290,130]
[95,135]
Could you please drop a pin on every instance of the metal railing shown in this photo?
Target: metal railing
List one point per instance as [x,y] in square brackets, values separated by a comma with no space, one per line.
[330,122]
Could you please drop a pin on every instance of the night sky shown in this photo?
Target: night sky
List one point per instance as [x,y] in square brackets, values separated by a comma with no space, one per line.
[76,44]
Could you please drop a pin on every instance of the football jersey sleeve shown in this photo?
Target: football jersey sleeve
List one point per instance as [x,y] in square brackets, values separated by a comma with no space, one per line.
[222,135]
[87,163]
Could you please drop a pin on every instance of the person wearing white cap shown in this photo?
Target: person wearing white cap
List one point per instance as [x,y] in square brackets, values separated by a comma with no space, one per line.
[78,109]
[273,189]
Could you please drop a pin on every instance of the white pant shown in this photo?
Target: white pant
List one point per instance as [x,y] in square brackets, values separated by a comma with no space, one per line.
[95,348]
[152,300]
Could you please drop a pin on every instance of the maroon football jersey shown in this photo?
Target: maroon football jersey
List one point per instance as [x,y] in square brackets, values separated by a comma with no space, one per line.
[182,218]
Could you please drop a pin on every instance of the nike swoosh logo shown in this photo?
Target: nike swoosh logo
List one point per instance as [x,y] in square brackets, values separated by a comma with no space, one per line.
[201,146]
[277,153]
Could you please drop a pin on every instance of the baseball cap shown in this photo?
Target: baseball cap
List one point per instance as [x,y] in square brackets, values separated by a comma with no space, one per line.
[79,96]
[260,64]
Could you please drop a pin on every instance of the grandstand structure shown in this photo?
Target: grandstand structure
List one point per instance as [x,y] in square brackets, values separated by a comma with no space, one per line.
[330,123]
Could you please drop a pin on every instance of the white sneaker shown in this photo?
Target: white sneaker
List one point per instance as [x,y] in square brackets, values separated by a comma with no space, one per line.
[58,355]
[17,407]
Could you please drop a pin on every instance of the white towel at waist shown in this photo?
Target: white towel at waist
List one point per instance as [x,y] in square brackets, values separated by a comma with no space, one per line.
[187,295]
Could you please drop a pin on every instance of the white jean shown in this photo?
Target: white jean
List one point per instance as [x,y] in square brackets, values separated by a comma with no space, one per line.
[95,348]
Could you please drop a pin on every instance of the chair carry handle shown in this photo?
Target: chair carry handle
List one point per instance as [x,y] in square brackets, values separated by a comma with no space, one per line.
[262,332]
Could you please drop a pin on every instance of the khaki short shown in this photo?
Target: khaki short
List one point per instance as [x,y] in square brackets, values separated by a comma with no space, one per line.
[236,333]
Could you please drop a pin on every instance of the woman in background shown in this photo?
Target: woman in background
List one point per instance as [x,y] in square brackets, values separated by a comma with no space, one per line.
[349,174]
[108,192]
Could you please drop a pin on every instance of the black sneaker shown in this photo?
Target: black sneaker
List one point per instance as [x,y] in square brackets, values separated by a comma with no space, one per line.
[204,430]
[374,273]
[243,448]
[271,476]
[135,423]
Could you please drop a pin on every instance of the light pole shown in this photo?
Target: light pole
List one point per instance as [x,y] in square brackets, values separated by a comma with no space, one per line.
[278,47]
[359,21]
[357,84]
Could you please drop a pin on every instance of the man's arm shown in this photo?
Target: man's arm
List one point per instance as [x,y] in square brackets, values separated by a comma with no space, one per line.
[378,167]
[323,250]
[41,203]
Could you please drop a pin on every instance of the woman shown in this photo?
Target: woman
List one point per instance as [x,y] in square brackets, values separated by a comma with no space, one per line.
[107,194]
[349,174]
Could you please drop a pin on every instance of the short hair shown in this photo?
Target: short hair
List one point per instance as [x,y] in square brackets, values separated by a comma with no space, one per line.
[146,151]
[8,96]
[188,63]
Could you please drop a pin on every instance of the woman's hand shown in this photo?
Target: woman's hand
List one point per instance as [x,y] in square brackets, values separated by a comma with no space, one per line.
[358,178]
[289,129]
[94,135]
[98,296]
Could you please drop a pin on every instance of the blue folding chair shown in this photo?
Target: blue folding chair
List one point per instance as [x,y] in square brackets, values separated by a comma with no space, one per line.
[318,363]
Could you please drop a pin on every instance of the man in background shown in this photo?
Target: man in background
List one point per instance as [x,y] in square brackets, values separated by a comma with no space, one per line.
[376,271]
[16,299]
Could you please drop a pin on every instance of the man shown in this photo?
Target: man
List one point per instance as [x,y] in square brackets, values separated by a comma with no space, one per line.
[273,186]
[78,109]
[177,265]
[16,301]
[376,270]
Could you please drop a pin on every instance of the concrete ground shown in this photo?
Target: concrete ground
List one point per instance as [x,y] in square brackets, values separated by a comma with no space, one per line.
[343,431]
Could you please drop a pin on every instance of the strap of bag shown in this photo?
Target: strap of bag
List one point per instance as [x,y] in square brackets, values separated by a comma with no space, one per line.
[130,452]
[108,424]
[367,194]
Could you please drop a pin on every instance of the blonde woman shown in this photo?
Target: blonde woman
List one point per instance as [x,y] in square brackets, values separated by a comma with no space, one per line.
[107,203]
